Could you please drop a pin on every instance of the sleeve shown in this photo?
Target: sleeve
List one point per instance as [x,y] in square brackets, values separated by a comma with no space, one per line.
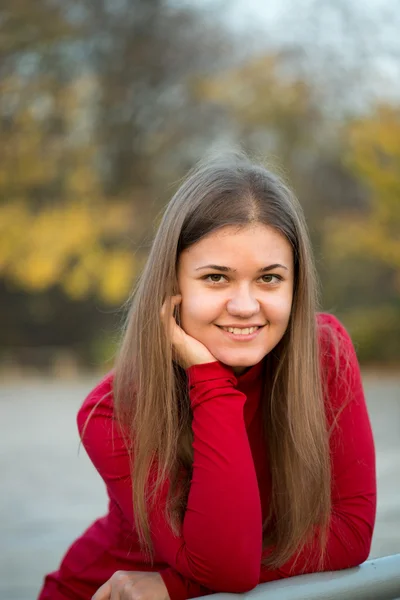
[353,471]
[220,544]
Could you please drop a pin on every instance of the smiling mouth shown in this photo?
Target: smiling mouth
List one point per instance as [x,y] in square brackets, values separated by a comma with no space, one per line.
[241,330]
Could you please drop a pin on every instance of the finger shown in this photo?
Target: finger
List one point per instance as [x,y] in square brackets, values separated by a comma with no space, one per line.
[119,581]
[176,301]
[117,592]
[104,592]
[169,318]
[173,300]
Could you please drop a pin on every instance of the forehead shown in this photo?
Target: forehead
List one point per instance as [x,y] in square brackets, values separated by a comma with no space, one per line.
[257,243]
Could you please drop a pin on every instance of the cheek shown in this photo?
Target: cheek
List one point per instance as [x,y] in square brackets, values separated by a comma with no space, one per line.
[278,308]
[198,309]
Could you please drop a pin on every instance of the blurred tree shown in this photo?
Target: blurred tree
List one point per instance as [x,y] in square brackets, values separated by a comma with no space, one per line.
[349,53]
[275,114]
[56,226]
[146,124]
[374,157]
[367,241]
[105,103]
[30,27]
[372,154]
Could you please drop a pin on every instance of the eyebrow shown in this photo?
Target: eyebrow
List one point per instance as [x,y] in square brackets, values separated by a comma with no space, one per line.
[229,270]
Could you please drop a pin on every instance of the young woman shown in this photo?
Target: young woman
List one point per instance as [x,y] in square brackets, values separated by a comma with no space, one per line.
[232,435]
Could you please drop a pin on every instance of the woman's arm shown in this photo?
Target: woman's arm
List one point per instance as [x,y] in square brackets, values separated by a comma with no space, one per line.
[353,471]
[220,543]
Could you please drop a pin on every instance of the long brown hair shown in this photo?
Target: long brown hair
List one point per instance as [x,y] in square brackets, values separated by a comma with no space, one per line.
[150,390]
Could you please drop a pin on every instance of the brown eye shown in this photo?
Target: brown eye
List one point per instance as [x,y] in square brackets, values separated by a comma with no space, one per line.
[214,278]
[271,278]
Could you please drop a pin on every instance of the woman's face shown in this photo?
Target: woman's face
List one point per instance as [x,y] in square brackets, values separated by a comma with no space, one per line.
[240,279]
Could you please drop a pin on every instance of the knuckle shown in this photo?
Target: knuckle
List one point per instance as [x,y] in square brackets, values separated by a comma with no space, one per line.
[118,577]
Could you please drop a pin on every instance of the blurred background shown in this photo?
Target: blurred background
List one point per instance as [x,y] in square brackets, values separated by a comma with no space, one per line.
[104,106]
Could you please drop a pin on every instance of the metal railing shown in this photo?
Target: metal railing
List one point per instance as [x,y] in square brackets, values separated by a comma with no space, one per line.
[376,579]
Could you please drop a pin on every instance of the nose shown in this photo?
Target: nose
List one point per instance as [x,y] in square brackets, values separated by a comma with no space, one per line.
[243,303]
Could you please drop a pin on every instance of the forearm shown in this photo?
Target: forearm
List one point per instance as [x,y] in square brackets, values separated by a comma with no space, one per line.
[222,529]
[348,544]
[180,587]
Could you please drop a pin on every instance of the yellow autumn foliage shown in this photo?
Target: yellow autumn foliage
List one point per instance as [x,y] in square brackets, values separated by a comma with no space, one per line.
[56,227]
[63,245]
[373,155]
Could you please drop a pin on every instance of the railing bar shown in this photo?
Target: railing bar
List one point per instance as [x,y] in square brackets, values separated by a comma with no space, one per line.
[377,579]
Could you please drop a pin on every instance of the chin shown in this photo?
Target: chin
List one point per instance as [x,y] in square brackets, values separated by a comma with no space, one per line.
[241,359]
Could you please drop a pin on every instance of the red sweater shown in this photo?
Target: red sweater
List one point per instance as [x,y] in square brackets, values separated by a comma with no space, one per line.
[220,545]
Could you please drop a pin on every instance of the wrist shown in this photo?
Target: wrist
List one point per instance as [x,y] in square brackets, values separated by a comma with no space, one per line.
[210,371]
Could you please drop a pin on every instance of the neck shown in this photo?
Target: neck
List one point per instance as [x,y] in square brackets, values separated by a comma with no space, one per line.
[240,370]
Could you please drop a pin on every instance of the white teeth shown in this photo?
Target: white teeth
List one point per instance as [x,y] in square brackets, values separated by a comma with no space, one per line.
[237,331]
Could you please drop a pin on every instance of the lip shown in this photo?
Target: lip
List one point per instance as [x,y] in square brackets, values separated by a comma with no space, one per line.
[242,325]
[239,337]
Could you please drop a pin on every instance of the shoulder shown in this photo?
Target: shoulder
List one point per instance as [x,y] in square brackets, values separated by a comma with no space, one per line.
[98,403]
[326,322]
[101,434]
[339,364]
[334,340]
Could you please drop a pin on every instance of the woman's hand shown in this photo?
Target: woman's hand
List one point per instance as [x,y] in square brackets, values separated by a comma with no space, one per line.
[187,349]
[133,585]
